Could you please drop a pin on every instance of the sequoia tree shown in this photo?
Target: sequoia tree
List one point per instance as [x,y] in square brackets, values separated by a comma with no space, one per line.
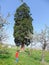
[23,25]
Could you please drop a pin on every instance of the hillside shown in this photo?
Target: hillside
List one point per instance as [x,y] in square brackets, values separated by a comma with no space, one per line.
[25,58]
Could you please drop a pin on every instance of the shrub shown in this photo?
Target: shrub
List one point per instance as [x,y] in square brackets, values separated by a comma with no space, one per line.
[4,53]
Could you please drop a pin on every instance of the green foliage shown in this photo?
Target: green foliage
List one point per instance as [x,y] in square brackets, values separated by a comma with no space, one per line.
[23,24]
[27,51]
[4,52]
[24,58]
[4,55]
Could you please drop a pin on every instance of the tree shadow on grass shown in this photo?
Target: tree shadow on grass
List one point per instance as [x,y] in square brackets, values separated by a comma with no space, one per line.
[37,58]
[4,56]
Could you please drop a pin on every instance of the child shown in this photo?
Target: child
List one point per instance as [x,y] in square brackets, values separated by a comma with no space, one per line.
[17,55]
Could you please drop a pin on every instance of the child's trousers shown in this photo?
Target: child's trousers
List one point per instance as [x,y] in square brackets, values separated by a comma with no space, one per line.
[16,59]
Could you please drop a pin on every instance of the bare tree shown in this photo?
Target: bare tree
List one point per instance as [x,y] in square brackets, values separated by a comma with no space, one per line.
[43,38]
[33,39]
[3,23]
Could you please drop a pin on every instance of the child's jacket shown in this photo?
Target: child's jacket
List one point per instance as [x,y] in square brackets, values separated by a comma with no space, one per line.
[17,54]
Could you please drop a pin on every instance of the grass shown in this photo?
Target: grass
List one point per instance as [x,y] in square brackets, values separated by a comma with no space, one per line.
[24,58]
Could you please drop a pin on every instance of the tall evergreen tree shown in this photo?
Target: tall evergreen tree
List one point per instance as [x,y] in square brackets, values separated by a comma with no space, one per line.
[23,25]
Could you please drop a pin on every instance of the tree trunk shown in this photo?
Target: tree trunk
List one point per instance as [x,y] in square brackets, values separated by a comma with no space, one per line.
[43,51]
[22,47]
[43,56]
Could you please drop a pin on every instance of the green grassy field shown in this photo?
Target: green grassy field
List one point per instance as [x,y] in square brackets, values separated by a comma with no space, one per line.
[24,58]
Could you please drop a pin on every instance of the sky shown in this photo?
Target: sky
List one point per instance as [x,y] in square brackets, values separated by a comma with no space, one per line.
[38,8]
